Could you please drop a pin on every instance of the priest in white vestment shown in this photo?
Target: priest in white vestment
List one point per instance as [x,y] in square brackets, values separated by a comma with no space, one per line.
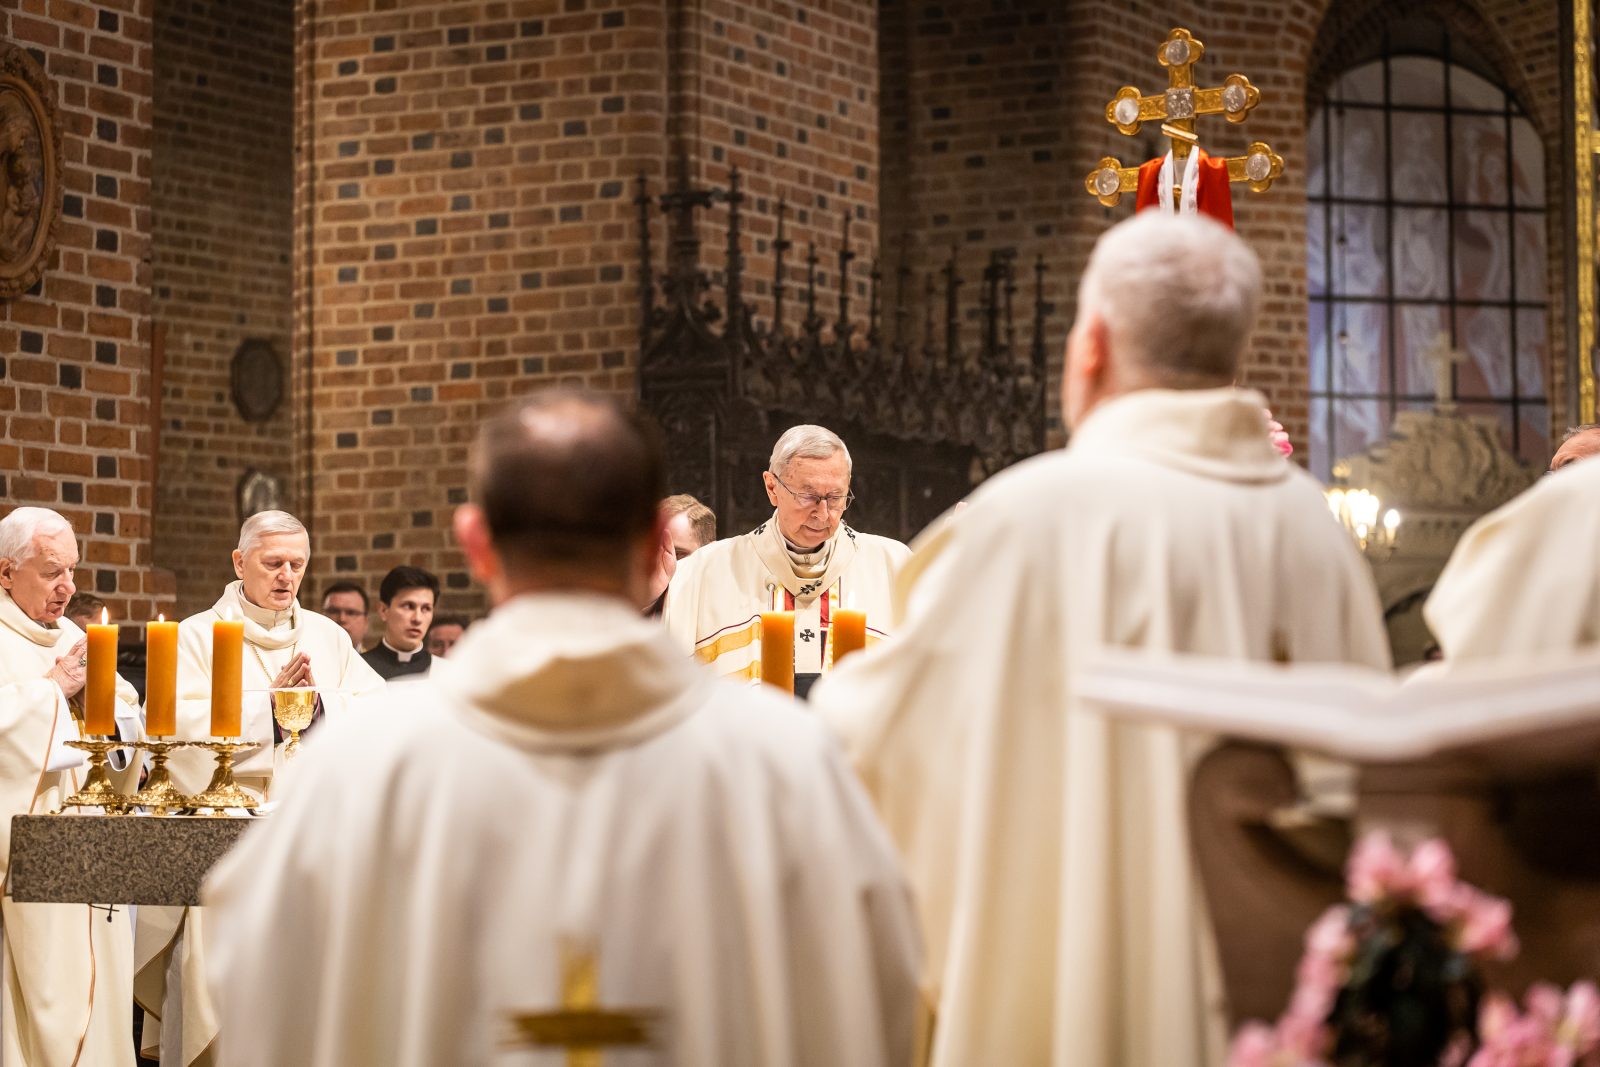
[1525,579]
[285,646]
[1048,848]
[567,816]
[68,973]
[804,559]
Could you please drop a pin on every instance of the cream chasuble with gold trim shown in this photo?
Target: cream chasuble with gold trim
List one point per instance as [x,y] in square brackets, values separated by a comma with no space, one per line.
[1048,847]
[714,604]
[604,828]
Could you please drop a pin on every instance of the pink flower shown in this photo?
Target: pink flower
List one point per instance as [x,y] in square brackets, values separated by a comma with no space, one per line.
[1330,935]
[1280,437]
[1292,1043]
[1313,1000]
[1555,1031]
[1375,869]
[1432,874]
[1253,1046]
[1581,1027]
[1486,928]
[1543,1002]
[1303,1040]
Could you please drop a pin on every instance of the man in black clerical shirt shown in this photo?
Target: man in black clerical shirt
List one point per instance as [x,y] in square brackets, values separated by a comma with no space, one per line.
[406,601]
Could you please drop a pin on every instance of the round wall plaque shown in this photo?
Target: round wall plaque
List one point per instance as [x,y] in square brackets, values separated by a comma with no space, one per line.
[30,171]
[257,379]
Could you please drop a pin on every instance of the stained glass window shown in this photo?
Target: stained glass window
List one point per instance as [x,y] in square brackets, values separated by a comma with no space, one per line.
[1425,215]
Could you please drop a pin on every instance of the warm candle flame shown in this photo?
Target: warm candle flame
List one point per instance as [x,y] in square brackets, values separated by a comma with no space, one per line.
[160,617]
[105,616]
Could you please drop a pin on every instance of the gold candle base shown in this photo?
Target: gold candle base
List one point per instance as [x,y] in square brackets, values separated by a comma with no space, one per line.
[159,794]
[97,790]
[224,792]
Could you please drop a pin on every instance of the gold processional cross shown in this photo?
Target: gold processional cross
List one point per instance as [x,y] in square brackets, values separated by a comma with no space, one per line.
[581,1026]
[1177,109]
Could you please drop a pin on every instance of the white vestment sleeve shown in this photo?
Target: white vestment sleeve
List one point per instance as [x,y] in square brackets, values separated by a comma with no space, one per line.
[130,725]
[680,612]
[62,758]
[255,720]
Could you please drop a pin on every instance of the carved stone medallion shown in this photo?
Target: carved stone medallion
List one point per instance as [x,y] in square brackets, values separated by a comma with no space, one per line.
[258,491]
[257,379]
[30,171]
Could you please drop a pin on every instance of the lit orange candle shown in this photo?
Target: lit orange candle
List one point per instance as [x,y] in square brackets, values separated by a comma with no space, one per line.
[161,678]
[227,678]
[848,633]
[777,649]
[100,689]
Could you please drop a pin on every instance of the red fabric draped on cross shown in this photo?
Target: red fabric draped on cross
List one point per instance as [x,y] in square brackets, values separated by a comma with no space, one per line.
[1214,198]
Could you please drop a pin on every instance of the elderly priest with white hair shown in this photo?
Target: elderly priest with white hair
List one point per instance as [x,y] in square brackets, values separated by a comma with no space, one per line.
[1048,847]
[804,559]
[285,646]
[68,973]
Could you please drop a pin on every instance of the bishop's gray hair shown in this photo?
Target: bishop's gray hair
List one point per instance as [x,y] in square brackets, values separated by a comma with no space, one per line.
[19,529]
[805,442]
[1178,295]
[1574,431]
[265,524]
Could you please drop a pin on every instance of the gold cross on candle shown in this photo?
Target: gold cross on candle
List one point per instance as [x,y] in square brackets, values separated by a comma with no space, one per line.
[1176,110]
[581,1026]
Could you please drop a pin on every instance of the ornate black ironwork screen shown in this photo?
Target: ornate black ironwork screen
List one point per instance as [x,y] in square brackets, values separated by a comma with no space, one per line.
[924,421]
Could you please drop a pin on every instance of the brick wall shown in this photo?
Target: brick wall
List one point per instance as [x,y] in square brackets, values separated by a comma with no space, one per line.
[465,232]
[466,229]
[787,92]
[222,197]
[462,224]
[993,114]
[75,353]
[979,103]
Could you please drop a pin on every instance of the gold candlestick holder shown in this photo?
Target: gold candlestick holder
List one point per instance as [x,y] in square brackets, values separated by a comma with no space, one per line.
[224,792]
[97,790]
[159,794]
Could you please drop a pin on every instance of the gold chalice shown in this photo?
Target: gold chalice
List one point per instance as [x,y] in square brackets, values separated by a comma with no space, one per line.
[293,709]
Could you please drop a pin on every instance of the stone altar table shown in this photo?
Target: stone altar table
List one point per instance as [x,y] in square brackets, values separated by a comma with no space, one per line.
[116,859]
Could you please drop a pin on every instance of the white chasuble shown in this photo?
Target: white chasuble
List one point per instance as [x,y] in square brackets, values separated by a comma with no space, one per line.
[716,598]
[1525,579]
[567,812]
[271,640]
[68,973]
[1047,847]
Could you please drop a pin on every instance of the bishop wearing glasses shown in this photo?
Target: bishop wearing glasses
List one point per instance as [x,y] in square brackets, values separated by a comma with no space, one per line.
[803,559]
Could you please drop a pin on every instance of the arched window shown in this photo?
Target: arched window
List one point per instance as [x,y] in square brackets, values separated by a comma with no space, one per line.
[1425,216]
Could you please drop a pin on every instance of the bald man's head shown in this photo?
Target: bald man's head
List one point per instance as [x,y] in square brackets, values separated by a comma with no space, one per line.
[1581,442]
[567,479]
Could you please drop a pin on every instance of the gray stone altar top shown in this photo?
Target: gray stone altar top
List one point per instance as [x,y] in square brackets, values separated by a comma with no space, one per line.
[116,859]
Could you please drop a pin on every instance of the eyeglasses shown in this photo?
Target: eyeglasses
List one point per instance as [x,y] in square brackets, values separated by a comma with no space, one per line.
[837,502]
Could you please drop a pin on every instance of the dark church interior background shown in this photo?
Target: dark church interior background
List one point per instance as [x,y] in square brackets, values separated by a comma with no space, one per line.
[305,245]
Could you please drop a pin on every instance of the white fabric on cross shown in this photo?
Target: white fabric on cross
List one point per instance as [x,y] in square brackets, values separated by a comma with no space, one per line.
[1191,184]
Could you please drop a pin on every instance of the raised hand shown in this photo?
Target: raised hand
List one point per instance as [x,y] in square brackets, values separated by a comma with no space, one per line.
[71,669]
